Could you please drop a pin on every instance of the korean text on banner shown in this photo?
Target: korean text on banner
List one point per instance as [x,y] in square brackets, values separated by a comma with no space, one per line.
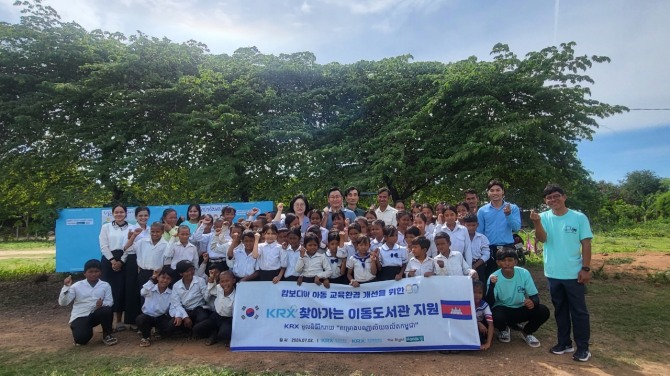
[414,314]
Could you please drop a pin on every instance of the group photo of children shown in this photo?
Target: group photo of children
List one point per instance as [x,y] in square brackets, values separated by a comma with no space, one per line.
[177,277]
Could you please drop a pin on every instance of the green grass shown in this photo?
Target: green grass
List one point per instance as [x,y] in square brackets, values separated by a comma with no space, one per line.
[23,268]
[21,245]
[620,260]
[91,361]
[651,236]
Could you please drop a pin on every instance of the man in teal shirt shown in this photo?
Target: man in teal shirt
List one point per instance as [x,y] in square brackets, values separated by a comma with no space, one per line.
[566,235]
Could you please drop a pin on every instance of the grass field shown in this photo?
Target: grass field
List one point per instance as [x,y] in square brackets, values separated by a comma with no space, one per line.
[629,324]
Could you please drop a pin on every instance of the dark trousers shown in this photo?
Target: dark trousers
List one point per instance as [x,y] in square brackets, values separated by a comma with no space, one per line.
[267,275]
[132,291]
[481,272]
[506,316]
[198,314]
[82,327]
[116,280]
[570,312]
[388,273]
[164,324]
[216,326]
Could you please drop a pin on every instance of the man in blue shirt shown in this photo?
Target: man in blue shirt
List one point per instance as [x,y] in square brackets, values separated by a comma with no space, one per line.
[498,220]
[566,235]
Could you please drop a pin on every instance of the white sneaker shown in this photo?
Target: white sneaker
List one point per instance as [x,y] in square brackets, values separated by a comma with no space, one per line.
[530,340]
[504,335]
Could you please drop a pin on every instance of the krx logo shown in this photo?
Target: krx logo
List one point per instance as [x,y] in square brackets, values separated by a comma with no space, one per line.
[280,313]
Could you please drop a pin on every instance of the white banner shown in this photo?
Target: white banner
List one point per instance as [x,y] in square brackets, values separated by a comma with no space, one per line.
[413,314]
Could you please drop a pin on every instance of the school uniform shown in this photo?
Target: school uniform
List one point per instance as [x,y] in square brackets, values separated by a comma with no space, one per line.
[242,264]
[218,249]
[176,252]
[374,244]
[85,316]
[155,310]
[113,239]
[201,240]
[420,267]
[289,259]
[219,324]
[189,302]
[316,265]
[454,264]
[269,260]
[479,248]
[392,260]
[459,238]
[362,268]
[336,261]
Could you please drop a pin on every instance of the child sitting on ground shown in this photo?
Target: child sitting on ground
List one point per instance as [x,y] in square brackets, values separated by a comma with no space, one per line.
[92,305]
[515,299]
[219,325]
[484,316]
[157,294]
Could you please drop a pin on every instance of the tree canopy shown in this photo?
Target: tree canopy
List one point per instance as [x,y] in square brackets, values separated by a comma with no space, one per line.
[88,117]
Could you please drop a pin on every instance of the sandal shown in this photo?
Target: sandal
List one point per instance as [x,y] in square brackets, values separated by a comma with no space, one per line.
[145,342]
[120,327]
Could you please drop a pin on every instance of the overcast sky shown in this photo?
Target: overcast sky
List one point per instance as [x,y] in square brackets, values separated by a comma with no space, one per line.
[634,34]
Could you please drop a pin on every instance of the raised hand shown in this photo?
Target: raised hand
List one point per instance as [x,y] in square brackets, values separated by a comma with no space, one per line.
[68,281]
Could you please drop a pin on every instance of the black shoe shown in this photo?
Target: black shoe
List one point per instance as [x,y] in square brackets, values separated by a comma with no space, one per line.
[582,355]
[562,349]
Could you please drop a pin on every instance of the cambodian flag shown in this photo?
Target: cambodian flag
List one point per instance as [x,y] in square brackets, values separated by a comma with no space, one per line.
[456,309]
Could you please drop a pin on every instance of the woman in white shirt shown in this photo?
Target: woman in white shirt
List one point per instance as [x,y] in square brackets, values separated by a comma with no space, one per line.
[113,240]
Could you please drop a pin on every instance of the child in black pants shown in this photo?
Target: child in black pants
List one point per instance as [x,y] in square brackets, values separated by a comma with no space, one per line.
[92,305]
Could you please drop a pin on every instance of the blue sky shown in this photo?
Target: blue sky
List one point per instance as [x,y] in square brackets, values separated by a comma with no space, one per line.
[634,34]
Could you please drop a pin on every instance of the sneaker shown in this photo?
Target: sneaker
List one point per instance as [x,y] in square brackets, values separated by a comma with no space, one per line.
[581,355]
[109,340]
[504,335]
[530,340]
[562,349]
[145,342]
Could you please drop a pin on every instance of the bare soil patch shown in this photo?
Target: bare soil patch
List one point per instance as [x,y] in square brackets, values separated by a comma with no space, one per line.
[32,315]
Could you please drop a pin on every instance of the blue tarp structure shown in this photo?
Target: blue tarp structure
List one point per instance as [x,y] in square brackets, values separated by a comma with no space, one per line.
[77,230]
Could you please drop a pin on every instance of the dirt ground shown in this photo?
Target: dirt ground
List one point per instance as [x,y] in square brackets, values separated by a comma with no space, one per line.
[31,314]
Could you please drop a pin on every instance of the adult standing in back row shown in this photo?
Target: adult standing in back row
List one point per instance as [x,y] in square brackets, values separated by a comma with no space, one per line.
[498,220]
[566,235]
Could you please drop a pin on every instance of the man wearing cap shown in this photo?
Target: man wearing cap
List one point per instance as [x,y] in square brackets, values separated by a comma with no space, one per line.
[566,235]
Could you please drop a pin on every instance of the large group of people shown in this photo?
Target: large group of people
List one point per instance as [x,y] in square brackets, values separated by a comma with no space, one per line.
[179,274]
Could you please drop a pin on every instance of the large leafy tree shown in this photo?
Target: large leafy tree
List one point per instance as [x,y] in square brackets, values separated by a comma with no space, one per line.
[97,116]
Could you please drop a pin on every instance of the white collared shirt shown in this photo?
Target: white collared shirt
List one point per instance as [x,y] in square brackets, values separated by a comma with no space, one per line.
[362,268]
[336,261]
[388,215]
[454,264]
[85,297]
[222,304]
[460,240]
[242,264]
[149,255]
[112,237]
[156,303]
[479,247]
[289,259]
[316,265]
[396,256]
[177,252]
[190,298]
[420,268]
[269,256]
